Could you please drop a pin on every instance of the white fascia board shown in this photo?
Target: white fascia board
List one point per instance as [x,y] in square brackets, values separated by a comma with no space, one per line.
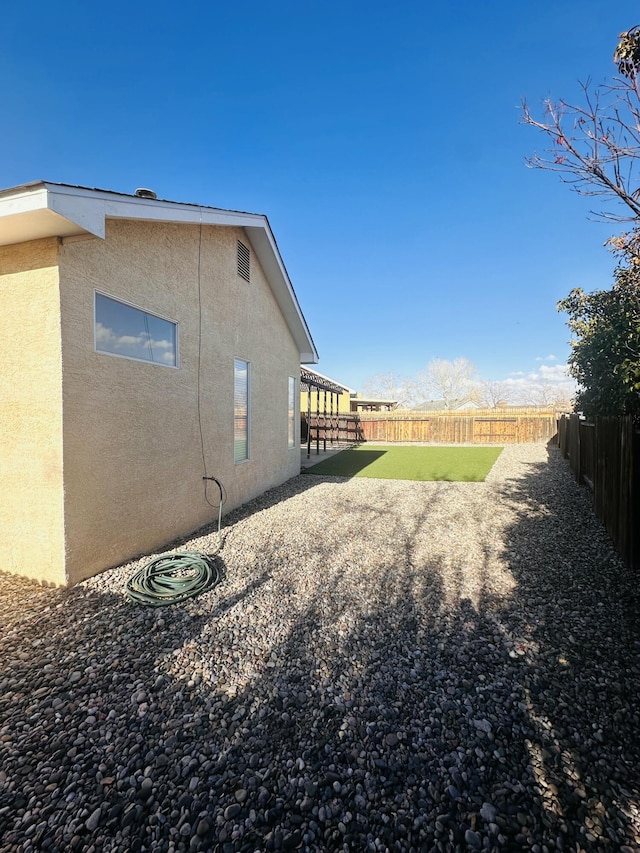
[84,210]
[36,211]
[265,247]
[149,210]
[24,200]
[79,209]
[88,209]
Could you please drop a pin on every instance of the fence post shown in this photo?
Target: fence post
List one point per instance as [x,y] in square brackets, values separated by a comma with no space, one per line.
[562,435]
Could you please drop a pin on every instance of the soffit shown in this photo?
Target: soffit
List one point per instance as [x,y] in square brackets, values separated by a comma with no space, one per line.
[43,209]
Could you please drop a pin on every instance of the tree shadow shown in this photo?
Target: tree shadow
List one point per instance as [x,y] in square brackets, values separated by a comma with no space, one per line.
[578,654]
[360,684]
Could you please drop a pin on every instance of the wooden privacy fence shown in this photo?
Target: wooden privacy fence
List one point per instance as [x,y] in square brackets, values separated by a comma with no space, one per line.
[327,430]
[480,426]
[604,454]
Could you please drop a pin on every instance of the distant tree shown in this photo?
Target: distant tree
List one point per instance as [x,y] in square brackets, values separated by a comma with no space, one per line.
[605,358]
[389,386]
[595,146]
[543,392]
[492,393]
[449,381]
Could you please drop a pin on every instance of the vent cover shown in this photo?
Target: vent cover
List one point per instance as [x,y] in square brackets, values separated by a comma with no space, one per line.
[243,261]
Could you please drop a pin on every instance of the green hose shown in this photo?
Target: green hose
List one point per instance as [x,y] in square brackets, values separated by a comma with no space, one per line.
[172,578]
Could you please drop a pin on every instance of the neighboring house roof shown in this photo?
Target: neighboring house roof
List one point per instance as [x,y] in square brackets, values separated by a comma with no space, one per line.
[318,380]
[45,209]
[374,401]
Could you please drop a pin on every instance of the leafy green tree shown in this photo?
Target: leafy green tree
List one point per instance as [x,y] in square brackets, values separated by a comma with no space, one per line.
[605,358]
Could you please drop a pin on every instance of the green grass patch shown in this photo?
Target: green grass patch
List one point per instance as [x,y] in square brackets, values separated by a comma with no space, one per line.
[455,464]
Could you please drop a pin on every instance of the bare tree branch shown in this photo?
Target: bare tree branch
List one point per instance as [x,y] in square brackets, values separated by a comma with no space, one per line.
[389,386]
[494,392]
[595,146]
[449,381]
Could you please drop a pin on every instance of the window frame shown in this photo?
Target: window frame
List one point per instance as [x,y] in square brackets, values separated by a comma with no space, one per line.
[247,365]
[144,311]
[292,420]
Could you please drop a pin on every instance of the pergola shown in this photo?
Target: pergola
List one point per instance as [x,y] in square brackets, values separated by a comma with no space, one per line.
[325,421]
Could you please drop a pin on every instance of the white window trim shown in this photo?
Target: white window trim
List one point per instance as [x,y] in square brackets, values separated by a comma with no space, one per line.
[175,323]
[296,416]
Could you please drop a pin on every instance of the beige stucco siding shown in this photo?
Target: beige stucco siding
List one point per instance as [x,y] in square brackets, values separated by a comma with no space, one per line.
[31,497]
[133,456]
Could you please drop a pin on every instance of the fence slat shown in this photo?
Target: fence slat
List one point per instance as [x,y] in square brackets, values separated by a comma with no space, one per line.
[487,426]
[605,455]
[477,427]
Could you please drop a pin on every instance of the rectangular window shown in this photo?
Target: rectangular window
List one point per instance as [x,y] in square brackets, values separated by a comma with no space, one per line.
[291,438]
[240,410]
[129,332]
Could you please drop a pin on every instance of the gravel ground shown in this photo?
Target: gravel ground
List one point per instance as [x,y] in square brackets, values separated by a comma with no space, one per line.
[385,666]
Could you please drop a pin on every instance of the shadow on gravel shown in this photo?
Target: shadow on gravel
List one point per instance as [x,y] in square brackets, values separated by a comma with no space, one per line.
[381,711]
[578,660]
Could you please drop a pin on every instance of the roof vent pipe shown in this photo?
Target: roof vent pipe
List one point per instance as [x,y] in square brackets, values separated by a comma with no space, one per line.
[142,192]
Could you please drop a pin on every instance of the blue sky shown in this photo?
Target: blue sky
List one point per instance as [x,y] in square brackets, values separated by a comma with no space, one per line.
[382,140]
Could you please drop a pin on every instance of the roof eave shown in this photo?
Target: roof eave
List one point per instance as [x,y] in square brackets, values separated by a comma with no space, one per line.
[42,209]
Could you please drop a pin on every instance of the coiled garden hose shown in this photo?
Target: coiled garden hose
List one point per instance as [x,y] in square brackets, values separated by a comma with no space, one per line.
[172,578]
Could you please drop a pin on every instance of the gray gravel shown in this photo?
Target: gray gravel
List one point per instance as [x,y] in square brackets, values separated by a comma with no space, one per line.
[385,666]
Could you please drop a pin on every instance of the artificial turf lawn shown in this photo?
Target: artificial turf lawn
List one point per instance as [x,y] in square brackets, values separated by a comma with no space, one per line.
[456,464]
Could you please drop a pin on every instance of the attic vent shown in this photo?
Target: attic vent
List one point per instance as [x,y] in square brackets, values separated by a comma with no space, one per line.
[142,192]
[243,261]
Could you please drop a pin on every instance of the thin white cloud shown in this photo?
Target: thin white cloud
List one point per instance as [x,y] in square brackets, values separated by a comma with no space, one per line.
[554,372]
[136,346]
[546,373]
[547,384]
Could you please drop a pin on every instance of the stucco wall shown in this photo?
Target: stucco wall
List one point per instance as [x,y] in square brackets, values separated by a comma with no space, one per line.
[133,456]
[31,493]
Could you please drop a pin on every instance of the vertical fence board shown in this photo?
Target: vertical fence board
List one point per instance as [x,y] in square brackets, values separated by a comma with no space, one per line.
[488,426]
[605,455]
[472,427]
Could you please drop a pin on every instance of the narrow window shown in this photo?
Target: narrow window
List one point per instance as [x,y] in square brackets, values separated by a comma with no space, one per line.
[129,332]
[240,410]
[244,261]
[291,438]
